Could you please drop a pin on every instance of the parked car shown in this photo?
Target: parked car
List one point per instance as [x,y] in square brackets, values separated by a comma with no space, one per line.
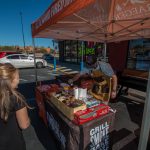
[23,61]
[2,54]
[48,57]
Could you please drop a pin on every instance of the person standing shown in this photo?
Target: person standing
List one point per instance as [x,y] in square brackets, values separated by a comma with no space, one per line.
[92,64]
[13,110]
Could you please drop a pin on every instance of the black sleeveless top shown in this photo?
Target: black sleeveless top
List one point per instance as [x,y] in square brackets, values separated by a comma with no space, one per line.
[11,137]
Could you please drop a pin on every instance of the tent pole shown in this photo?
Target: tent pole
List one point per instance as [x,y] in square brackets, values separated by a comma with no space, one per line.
[82,63]
[145,128]
[105,51]
[54,60]
[35,69]
[54,63]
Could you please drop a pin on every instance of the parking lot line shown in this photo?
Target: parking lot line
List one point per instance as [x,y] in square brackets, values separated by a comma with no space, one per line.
[61,68]
[66,70]
[57,67]
[23,80]
[41,77]
[72,72]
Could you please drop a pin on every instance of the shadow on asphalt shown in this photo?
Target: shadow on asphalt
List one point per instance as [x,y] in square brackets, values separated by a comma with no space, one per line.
[44,135]
[42,132]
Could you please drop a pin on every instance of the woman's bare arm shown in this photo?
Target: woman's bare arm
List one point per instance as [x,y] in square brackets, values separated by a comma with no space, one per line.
[23,118]
[114,87]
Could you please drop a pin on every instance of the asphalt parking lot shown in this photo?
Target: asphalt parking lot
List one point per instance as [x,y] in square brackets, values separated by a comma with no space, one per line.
[28,75]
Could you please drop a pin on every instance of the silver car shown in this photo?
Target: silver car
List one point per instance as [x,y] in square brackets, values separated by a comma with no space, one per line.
[23,61]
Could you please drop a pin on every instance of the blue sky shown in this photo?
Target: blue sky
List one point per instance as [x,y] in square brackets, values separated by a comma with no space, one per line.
[10,21]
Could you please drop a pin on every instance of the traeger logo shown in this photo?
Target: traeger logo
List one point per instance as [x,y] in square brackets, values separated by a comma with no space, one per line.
[99,139]
[134,2]
[132,9]
[55,8]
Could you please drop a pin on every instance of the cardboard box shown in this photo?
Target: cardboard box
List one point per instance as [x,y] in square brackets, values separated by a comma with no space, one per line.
[67,111]
[102,94]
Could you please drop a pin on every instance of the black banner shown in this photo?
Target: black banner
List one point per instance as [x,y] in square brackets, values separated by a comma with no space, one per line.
[93,135]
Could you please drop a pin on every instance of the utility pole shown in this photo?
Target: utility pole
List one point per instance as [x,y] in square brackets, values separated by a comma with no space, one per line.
[22,30]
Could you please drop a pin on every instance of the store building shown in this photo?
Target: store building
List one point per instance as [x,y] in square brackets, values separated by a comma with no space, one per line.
[71,51]
[139,54]
[133,54]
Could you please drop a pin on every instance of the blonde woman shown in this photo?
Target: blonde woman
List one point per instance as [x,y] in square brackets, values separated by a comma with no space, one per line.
[13,110]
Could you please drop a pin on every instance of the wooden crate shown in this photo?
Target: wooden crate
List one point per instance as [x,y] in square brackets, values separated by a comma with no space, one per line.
[67,111]
[105,97]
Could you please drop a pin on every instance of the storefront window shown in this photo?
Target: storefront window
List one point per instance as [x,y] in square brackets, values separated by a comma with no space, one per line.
[88,49]
[79,50]
[67,50]
[139,54]
[71,51]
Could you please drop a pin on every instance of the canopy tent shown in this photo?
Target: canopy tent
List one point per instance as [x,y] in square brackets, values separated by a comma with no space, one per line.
[99,21]
[94,20]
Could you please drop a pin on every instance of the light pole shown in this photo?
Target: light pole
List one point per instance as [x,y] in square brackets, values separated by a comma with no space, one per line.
[22,30]
[54,62]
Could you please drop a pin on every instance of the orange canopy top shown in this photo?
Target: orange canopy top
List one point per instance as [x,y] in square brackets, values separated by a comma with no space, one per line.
[94,20]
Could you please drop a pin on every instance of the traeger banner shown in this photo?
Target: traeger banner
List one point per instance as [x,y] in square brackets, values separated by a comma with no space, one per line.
[55,8]
[93,135]
[66,133]
[96,134]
